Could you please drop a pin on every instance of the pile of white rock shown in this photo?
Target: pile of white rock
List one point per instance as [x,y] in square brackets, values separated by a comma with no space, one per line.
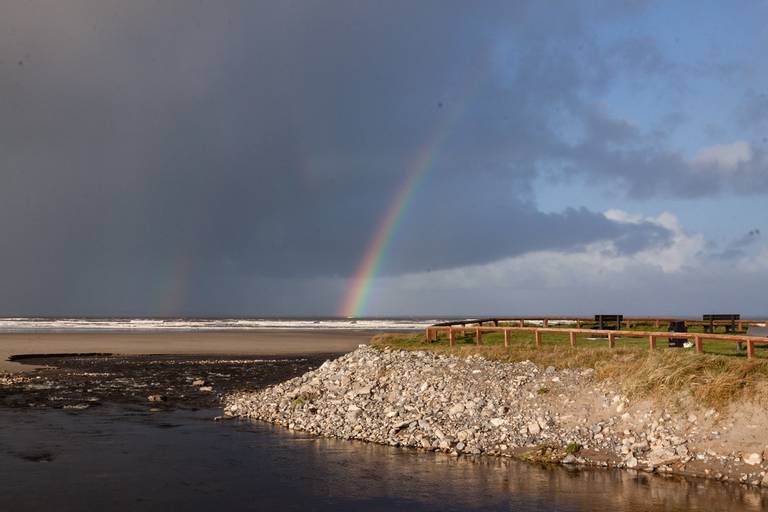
[471,405]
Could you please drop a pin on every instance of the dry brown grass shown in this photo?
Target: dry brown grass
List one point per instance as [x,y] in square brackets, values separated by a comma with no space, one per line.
[665,376]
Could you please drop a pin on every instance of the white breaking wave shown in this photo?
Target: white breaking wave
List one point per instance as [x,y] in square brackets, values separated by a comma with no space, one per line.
[204,324]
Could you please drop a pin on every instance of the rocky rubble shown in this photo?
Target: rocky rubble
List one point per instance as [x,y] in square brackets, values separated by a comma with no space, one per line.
[472,406]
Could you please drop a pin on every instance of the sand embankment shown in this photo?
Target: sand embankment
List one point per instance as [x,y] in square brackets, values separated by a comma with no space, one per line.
[473,406]
[274,343]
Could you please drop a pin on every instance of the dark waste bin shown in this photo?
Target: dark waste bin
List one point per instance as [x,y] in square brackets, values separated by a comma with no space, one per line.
[677,326]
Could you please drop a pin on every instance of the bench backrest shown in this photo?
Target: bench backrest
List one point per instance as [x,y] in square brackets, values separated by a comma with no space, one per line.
[711,317]
[609,318]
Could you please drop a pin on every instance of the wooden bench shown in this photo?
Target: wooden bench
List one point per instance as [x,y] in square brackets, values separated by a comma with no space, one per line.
[712,318]
[601,321]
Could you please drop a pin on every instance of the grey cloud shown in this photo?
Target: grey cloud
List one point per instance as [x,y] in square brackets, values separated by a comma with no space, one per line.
[221,145]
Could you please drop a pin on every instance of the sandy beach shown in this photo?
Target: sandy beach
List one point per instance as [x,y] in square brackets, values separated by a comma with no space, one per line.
[251,343]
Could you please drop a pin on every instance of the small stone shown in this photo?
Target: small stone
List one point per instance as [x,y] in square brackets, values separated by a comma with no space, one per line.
[569,459]
[630,462]
[402,424]
[205,389]
[533,428]
[363,390]
[753,459]
[156,398]
[661,456]
[497,422]
[198,382]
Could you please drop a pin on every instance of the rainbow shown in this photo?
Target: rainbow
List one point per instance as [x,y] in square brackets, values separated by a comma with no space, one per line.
[356,297]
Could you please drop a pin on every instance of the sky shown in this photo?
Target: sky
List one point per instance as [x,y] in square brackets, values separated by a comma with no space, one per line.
[366,158]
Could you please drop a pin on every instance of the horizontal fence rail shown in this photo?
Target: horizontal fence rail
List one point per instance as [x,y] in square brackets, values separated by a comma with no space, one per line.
[433,332]
[578,320]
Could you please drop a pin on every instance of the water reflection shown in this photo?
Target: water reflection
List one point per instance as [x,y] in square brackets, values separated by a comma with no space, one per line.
[361,470]
[121,460]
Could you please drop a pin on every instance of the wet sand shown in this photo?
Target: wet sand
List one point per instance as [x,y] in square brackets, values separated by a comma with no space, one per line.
[251,343]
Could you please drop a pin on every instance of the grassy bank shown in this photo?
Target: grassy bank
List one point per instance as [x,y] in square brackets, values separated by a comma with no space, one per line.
[670,375]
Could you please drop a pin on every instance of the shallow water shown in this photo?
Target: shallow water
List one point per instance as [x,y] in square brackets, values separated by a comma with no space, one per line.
[120,459]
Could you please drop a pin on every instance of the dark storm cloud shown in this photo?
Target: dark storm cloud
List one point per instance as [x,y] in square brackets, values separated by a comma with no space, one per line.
[142,143]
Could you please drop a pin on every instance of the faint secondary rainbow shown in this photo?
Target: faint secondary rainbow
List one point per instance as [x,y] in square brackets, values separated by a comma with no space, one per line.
[356,297]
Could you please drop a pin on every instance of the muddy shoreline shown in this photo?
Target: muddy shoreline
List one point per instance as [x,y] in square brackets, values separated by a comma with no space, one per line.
[151,382]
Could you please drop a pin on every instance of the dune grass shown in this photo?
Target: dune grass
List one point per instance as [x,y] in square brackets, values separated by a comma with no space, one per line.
[715,378]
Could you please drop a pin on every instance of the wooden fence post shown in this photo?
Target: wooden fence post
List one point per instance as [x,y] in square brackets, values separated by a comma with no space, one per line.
[750,348]
[651,342]
[572,336]
[699,344]
[578,323]
[506,338]
[658,323]
[537,336]
[611,342]
[478,336]
[428,334]
[546,323]
[451,340]
[522,323]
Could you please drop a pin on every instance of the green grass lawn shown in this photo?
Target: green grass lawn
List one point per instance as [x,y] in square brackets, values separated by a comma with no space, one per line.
[724,348]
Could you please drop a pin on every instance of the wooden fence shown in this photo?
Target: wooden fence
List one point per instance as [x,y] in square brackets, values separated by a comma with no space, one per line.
[579,320]
[434,331]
